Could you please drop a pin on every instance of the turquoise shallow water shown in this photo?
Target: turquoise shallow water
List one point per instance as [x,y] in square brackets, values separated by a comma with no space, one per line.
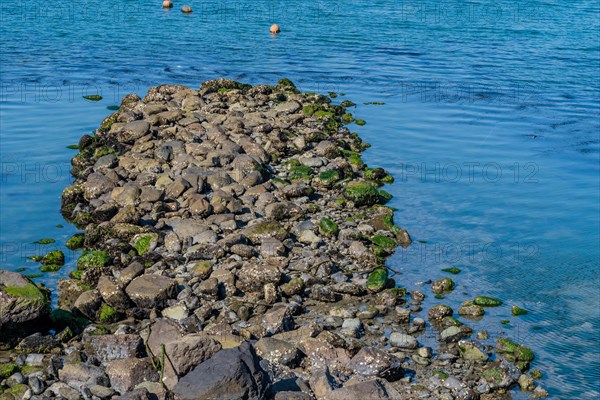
[490,126]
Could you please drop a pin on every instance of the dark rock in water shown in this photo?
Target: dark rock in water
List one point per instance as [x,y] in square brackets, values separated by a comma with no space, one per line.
[439,311]
[229,374]
[22,304]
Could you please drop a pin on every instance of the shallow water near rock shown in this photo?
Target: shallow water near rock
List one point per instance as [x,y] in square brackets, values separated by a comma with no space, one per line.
[490,128]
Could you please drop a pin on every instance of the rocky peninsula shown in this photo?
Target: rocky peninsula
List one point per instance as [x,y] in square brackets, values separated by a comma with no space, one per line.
[234,248]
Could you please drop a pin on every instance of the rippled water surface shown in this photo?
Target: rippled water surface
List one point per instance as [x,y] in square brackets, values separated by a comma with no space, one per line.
[490,126]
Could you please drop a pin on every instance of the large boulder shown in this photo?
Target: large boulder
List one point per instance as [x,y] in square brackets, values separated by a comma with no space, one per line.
[182,353]
[126,373]
[22,304]
[230,374]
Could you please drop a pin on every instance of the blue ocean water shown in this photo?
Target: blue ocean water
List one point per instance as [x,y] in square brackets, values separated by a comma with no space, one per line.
[490,125]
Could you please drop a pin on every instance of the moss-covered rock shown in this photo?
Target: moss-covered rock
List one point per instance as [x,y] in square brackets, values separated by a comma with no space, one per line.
[523,353]
[107,314]
[22,304]
[377,280]
[7,370]
[354,159]
[82,219]
[93,97]
[300,173]
[27,370]
[106,124]
[361,122]
[536,374]
[44,241]
[519,354]
[143,243]
[50,268]
[93,259]
[486,301]
[443,285]
[468,309]
[452,270]
[327,178]
[293,287]
[202,269]
[286,85]
[506,346]
[328,227]
[378,175]
[265,229]
[384,241]
[361,193]
[76,241]
[55,257]
[347,118]
[516,311]
[384,196]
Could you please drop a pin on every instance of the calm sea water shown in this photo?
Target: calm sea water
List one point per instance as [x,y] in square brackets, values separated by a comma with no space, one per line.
[490,126]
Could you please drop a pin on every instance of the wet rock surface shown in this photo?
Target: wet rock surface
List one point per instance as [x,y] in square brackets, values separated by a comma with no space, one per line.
[235,247]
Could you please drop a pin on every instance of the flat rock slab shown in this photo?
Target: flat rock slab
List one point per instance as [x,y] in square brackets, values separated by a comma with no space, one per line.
[148,291]
[107,348]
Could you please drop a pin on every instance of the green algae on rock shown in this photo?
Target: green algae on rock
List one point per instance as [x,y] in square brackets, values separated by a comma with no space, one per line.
[76,241]
[384,196]
[486,301]
[361,193]
[45,241]
[516,311]
[377,280]
[50,267]
[268,255]
[452,270]
[93,97]
[55,257]
[143,243]
[8,369]
[443,285]
[93,259]
[519,354]
[108,314]
[328,227]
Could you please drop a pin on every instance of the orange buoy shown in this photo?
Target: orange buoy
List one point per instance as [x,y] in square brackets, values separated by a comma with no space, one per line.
[274,29]
[186,9]
[167,4]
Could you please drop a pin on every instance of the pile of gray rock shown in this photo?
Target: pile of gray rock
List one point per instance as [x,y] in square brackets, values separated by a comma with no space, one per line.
[235,249]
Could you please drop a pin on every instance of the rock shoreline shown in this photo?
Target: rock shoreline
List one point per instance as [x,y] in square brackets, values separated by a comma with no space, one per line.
[235,246]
